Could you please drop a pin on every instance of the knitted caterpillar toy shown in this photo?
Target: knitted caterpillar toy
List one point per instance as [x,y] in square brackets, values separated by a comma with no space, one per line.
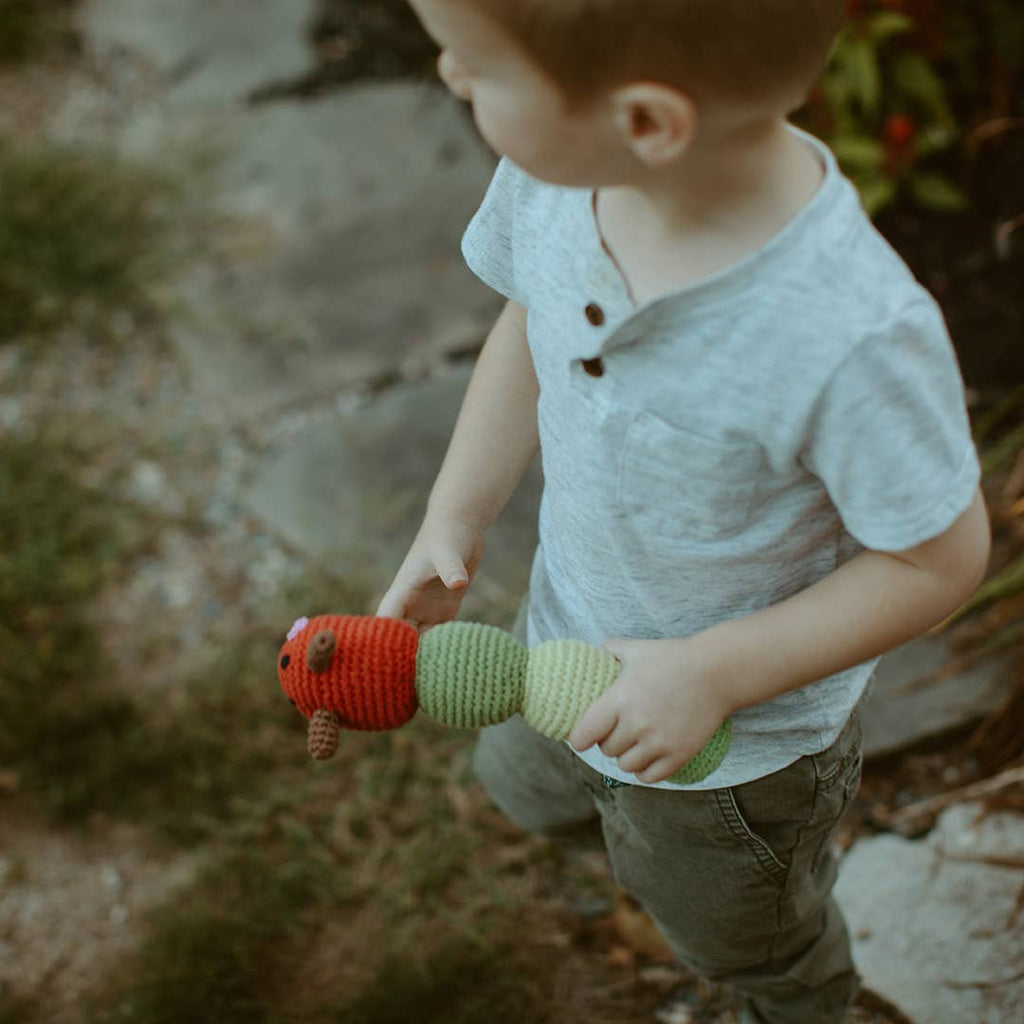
[368,673]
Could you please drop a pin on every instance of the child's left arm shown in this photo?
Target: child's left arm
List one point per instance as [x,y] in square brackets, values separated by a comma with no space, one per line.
[672,694]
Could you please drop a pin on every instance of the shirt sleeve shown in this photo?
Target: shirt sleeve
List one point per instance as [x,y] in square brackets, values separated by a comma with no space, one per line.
[890,437]
[488,242]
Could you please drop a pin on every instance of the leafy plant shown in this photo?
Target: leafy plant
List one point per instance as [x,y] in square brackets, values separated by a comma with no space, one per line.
[907,83]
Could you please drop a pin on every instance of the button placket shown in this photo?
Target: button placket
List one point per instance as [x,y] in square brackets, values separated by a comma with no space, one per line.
[596,318]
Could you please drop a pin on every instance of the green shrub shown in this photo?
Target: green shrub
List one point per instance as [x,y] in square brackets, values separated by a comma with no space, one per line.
[914,90]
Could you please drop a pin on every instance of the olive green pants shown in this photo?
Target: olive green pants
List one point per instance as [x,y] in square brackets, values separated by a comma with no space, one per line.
[738,879]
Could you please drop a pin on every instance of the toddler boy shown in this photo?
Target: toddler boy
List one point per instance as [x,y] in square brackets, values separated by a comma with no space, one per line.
[758,468]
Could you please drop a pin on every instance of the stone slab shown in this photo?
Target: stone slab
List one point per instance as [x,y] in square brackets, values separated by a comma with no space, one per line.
[207,51]
[936,928]
[351,490]
[340,261]
[914,696]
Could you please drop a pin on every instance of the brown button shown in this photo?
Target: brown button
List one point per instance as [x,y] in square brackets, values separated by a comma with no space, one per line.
[594,367]
[595,314]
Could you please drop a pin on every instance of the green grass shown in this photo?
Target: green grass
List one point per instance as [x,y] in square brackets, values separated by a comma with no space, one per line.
[57,543]
[81,235]
[78,740]
[227,948]
[208,956]
[459,983]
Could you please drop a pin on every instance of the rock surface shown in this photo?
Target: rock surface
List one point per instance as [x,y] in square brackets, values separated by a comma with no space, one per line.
[206,51]
[915,695]
[352,489]
[347,215]
[936,922]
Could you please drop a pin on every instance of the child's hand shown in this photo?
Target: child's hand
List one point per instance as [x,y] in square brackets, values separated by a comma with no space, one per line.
[660,711]
[432,581]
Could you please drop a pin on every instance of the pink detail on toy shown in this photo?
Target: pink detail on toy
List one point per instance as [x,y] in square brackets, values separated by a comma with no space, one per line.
[297,627]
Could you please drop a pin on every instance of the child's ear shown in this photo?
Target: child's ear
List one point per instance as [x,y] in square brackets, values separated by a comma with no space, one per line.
[656,122]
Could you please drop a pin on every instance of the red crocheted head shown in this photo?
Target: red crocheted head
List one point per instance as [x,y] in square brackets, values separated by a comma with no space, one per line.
[360,668]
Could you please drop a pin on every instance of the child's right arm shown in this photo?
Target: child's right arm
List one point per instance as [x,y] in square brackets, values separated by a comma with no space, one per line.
[494,441]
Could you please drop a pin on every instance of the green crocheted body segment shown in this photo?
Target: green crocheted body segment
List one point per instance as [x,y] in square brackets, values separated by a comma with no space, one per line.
[469,674]
[563,678]
[707,759]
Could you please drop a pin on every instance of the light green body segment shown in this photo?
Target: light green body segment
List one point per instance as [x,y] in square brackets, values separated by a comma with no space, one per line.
[563,678]
[469,675]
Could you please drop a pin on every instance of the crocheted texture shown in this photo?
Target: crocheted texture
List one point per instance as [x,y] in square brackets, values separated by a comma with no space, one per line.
[469,675]
[320,651]
[363,672]
[369,679]
[710,756]
[322,740]
[563,678]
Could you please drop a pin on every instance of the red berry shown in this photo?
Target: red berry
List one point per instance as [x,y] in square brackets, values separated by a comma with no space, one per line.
[899,131]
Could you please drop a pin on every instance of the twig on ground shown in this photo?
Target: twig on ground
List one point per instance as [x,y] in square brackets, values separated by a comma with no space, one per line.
[912,812]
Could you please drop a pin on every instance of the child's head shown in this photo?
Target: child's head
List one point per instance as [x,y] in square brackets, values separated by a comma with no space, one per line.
[576,74]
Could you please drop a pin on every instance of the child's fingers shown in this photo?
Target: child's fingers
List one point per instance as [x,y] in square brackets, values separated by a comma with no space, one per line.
[640,757]
[452,573]
[621,739]
[597,723]
[393,604]
[659,770]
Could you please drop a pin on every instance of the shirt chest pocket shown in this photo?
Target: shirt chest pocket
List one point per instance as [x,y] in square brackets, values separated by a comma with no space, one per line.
[684,486]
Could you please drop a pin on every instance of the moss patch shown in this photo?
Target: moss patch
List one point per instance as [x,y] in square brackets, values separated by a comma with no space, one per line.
[80,235]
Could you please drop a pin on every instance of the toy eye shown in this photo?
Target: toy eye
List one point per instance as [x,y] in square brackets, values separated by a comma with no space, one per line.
[293,704]
[285,661]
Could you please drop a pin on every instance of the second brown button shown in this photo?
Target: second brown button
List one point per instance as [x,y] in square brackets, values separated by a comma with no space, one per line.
[595,314]
[594,367]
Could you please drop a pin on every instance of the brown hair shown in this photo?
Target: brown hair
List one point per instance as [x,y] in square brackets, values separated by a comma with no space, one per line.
[726,48]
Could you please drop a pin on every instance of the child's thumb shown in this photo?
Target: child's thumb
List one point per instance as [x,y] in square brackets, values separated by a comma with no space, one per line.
[454,575]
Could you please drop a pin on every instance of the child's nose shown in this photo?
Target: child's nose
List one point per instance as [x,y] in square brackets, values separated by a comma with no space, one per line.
[451,73]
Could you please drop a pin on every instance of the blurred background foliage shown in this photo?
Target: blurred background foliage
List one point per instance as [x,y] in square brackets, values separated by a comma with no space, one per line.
[922,105]
[917,93]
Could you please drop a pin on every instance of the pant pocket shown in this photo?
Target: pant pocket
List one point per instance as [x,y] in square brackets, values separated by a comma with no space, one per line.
[770,862]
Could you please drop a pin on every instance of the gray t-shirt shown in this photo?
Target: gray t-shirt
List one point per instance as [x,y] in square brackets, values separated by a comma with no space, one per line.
[723,447]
